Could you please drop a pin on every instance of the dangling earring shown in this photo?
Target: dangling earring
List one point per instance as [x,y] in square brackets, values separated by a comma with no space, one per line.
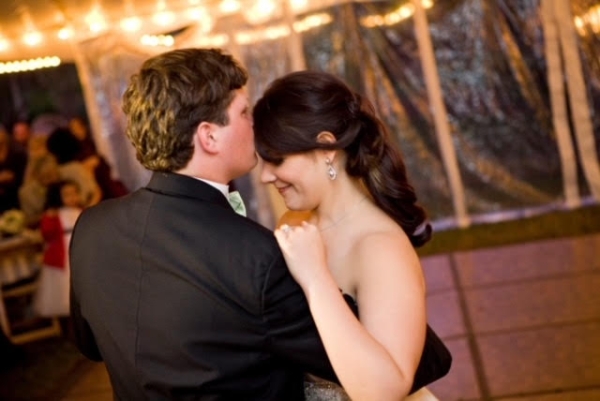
[331,170]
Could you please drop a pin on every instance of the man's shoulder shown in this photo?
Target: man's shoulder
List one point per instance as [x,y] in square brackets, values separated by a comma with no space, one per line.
[261,232]
[108,206]
[110,213]
[252,238]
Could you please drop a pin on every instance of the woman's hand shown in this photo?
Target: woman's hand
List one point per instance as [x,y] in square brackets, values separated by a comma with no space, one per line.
[304,252]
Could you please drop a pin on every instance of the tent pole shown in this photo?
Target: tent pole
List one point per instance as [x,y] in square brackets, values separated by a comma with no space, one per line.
[440,115]
[92,108]
[580,106]
[298,63]
[294,40]
[560,118]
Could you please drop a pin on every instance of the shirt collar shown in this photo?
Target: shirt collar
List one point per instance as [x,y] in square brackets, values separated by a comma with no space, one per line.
[223,188]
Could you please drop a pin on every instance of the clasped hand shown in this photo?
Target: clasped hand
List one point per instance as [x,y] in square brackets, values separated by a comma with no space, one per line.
[304,252]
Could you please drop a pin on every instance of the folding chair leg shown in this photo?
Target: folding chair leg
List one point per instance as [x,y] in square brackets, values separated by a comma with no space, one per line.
[52,331]
[3,317]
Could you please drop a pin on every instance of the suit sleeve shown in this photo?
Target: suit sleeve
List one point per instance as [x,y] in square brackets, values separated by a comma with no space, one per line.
[293,335]
[84,337]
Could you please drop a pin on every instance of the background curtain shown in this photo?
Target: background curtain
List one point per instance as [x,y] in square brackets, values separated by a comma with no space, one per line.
[493,71]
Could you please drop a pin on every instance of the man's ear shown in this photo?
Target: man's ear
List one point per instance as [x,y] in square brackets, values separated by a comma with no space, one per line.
[206,137]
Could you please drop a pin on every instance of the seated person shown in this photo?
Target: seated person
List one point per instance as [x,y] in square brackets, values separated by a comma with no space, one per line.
[21,134]
[12,169]
[65,147]
[41,171]
[92,160]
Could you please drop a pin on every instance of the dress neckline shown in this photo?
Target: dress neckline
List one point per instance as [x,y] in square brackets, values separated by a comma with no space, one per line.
[351,302]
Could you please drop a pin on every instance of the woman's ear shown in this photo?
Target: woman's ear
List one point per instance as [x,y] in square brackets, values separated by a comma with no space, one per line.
[326,137]
[205,137]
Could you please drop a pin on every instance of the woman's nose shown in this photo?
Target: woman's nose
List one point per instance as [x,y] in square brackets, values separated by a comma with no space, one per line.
[266,173]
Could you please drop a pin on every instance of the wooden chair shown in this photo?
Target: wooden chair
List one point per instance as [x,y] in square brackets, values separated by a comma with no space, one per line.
[20,263]
[25,290]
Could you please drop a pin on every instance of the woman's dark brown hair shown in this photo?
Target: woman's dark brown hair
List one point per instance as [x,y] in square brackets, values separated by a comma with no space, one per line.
[297,107]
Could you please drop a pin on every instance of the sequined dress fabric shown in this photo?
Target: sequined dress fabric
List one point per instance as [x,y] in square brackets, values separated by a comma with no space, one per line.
[316,389]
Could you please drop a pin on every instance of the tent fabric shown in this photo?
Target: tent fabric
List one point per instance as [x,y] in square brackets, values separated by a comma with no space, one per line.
[520,102]
[577,93]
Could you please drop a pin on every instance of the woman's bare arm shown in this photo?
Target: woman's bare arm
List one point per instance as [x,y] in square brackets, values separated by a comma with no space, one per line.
[375,359]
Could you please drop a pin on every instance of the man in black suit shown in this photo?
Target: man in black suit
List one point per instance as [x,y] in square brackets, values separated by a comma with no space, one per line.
[181,297]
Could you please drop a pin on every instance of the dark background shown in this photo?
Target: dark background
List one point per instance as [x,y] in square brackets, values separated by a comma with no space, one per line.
[26,95]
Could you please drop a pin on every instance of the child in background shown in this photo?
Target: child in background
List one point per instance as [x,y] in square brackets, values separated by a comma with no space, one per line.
[63,206]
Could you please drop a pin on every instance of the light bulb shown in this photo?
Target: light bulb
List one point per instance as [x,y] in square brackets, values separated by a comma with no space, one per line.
[32,38]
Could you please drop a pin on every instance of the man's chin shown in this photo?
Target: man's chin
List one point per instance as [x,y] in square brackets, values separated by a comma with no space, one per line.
[253,164]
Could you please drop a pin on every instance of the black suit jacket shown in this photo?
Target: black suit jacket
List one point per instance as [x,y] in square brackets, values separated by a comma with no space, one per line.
[184,299]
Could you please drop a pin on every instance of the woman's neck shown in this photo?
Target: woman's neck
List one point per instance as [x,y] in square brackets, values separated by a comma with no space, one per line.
[343,203]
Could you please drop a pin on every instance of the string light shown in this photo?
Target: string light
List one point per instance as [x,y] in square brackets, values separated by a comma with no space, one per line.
[403,12]
[312,21]
[158,40]
[270,33]
[299,5]
[4,44]
[28,65]
[260,11]
[203,18]
[32,38]
[131,24]
[163,17]
[279,31]
[590,18]
[219,40]
[96,21]
[229,6]
[65,33]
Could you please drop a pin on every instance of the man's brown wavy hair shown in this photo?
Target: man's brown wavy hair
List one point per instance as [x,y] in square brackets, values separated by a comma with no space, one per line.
[171,95]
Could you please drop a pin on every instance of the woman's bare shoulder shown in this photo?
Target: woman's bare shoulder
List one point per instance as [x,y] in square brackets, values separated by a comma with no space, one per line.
[386,242]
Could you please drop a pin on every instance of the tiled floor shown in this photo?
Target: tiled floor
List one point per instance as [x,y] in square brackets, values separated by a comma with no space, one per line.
[93,386]
[522,322]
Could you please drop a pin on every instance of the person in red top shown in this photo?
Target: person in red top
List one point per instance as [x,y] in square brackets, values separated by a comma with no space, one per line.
[63,207]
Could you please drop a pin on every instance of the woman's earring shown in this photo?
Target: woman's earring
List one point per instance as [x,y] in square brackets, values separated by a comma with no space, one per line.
[331,170]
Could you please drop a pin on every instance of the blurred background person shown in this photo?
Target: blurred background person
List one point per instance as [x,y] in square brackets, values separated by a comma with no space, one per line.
[12,169]
[65,147]
[63,207]
[21,134]
[93,161]
[41,171]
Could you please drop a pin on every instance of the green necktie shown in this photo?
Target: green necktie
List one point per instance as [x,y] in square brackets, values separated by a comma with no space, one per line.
[237,203]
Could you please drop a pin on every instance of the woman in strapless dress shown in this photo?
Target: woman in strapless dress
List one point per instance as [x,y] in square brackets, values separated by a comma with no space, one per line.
[351,232]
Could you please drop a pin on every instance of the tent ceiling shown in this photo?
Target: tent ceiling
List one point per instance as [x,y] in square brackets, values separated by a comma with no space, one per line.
[48,17]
